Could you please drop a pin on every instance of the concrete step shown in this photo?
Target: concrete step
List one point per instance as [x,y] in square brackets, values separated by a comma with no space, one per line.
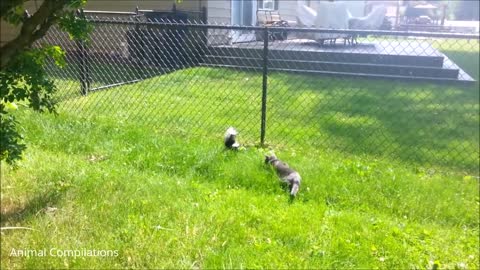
[354,75]
[329,56]
[337,67]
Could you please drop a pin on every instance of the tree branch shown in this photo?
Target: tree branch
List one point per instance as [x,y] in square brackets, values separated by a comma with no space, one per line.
[42,30]
[32,29]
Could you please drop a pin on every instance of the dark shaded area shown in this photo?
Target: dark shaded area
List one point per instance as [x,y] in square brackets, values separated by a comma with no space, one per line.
[11,216]
[423,124]
[116,55]
[167,48]
[468,61]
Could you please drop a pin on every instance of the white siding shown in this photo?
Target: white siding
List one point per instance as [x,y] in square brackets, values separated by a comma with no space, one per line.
[288,10]
[219,11]
[8,32]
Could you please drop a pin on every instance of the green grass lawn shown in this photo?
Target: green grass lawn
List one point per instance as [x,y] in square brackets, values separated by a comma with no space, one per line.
[423,124]
[390,176]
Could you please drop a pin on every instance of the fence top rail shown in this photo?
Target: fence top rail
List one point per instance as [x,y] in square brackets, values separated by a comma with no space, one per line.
[140,12]
[173,24]
[109,12]
[169,11]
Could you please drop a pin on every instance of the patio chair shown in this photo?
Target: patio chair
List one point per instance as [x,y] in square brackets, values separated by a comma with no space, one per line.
[335,15]
[271,18]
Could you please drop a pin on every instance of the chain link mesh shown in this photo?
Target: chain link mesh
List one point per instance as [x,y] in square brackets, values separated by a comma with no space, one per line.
[412,96]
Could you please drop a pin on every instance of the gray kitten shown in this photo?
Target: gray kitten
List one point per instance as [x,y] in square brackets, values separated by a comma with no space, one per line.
[286,174]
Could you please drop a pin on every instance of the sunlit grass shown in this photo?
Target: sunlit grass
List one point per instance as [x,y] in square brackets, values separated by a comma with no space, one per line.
[141,169]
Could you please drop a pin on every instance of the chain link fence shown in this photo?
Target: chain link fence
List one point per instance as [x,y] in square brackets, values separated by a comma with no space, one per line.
[411,96]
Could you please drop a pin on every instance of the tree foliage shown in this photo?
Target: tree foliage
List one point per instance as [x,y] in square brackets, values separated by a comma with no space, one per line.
[22,75]
[467,10]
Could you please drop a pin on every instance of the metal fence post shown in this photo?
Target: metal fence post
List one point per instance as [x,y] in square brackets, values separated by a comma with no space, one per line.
[137,15]
[264,87]
[84,75]
[204,36]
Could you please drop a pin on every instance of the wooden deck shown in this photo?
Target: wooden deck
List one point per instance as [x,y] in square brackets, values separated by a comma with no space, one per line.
[406,59]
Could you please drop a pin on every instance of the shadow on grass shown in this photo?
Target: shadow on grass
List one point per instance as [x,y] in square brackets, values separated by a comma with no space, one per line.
[421,123]
[104,70]
[11,215]
[242,169]
[468,61]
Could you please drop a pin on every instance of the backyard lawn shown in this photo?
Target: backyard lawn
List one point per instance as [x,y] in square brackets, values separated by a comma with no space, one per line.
[390,176]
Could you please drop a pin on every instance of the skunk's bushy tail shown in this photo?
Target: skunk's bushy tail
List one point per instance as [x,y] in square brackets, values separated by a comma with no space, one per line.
[230,138]
[231,131]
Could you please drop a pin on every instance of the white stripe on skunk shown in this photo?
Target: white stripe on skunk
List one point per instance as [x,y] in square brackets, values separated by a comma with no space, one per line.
[231,138]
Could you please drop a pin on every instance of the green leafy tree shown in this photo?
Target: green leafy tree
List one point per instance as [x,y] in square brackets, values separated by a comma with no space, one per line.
[22,75]
[467,10]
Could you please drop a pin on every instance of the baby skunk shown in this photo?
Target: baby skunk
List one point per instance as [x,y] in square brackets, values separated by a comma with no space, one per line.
[231,139]
[286,174]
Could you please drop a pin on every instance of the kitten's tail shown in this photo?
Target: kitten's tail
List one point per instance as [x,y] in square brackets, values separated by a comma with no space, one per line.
[294,190]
